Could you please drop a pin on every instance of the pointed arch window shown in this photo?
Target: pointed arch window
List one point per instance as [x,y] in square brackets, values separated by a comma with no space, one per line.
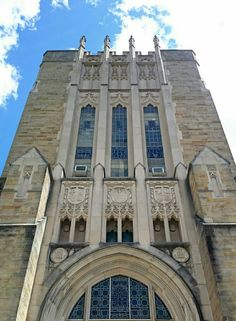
[119,144]
[154,148]
[119,298]
[84,148]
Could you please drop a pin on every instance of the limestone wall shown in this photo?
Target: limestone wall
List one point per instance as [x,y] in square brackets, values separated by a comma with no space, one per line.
[196,115]
[42,118]
[221,242]
[15,242]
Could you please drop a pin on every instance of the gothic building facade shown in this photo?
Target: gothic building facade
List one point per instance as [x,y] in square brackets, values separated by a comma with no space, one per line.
[118,198]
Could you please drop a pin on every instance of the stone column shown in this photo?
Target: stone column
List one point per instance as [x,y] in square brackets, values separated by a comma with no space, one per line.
[63,150]
[169,110]
[99,170]
[141,193]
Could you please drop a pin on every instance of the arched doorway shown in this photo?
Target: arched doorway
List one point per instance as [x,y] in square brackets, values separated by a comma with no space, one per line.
[99,275]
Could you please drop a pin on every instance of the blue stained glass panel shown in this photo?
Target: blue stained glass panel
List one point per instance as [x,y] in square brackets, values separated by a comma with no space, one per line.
[119,153]
[86,133]
[100,300]
[155,154]
[119,149]
[78,309]
[162,312]
[119,297]
[84,152]
[139,300]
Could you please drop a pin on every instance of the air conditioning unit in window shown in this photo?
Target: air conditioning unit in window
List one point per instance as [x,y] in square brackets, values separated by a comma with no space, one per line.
[158,171]
[80,170]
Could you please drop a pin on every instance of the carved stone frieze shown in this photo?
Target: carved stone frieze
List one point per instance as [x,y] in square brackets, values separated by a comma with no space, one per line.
[149,98]
[91,71]
[88,98]
[142,72]
[119,202]
[164,201]
[75,201]
[119,98]
[151,72]
[119,71]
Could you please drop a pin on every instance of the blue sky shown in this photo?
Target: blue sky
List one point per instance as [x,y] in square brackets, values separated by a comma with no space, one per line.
[30,27]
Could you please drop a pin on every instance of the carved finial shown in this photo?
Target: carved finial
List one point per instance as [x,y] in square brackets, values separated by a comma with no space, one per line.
[156,42]
[82,42]
[131,41]
[107,41]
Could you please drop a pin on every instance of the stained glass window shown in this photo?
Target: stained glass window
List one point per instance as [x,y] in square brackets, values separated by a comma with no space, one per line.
[119,148]
[84,149]
[100,303]
[162,312]
[154,146]
[78,309]
[119,297]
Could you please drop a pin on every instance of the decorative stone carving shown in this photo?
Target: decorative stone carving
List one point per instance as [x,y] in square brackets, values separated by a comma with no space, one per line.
[151,72]
[142,72]
[75,202]
[27,171]
[88,98]
[119,71]
[119,98]
[91,71]
[212,171]
[86,75]
[58,255]
[119,202]
[96,74]
[149,98]
[180,254]
[163,201]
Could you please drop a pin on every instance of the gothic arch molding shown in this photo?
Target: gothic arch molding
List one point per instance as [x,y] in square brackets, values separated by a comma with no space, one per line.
[73,278]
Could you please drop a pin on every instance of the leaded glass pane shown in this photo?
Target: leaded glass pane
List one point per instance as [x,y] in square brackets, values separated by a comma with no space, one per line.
[84,149]
[162,312]
[78,309]
[119,297]
[139,300]
[100,300]
[154,146]
[119,149]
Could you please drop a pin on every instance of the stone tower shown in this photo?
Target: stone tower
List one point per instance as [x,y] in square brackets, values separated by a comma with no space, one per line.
[118,198]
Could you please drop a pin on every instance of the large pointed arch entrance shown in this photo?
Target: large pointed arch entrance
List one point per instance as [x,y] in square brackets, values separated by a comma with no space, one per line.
[119,272]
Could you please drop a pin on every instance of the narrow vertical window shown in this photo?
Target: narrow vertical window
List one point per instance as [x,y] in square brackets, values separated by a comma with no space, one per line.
[80,228]
[119,148]
[155,156]
[111,234]
[127,230]
[159,230]
[84,148]
[64,230]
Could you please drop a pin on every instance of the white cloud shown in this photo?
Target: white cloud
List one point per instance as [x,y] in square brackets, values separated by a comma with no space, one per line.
[60,3]
[93,2]
[15,15]
[207,27]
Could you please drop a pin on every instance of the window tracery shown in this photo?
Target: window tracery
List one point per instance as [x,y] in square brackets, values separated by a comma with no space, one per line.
[120,297]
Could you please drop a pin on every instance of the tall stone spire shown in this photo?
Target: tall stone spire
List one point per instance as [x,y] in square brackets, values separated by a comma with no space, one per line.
[160,66]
